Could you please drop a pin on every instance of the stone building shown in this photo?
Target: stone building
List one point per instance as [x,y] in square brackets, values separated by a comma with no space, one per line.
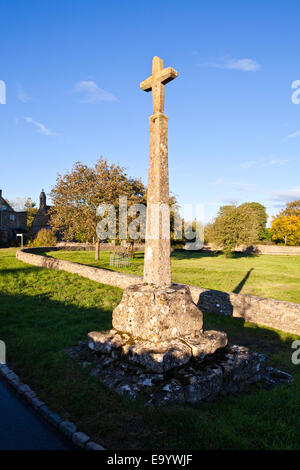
[11,221]
[42,218]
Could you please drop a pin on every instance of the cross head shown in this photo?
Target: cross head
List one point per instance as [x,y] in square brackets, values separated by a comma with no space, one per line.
[159,78]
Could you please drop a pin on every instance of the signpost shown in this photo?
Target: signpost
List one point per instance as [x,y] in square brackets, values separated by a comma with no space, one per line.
[22,240]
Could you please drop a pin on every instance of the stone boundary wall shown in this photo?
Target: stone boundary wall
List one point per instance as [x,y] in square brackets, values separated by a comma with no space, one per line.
[262,249]
[112,278]
[277,250]
[284,316]
[70,246]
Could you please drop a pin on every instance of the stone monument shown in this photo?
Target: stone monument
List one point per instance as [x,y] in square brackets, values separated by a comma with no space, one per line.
[157,339]
[162,319]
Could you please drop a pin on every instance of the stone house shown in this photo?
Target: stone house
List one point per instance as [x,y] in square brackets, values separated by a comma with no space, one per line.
[42,218]
[11,221]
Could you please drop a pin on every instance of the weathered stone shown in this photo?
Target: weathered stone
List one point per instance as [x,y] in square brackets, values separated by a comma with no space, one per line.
[29,395]
[273,377]
[129,390]
[24,388]
[45,411]
[68,428]
[230,369]
[80,438]
[157,314]
[205,385]
[241,364]
[148,380]
[159,357]
[55,419]
[91,445]
[157,266]
[37,403]
[105,341]
[206,343]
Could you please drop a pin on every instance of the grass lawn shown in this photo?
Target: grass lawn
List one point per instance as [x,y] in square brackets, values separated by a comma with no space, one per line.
[276,277]
[43,311]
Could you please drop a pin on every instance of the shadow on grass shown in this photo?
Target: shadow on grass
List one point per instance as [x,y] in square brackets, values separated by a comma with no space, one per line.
[263,340]
[241,284]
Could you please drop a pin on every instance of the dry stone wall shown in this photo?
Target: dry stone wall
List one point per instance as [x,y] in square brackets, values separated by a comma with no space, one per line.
[284,316]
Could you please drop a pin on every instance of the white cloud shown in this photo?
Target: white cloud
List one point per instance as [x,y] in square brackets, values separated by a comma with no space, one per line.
[243,186]
[246,65]
[41,128]
[264,163]
[294,135]
[21,95]
[279,162]
[247,165]
[287,195]
[91,93]
[217,182]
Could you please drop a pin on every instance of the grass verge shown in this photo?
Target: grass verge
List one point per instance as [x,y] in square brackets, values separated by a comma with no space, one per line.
[43,311]
[272,276]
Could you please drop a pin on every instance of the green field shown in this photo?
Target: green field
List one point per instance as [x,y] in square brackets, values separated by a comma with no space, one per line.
[43,311]
[276,277]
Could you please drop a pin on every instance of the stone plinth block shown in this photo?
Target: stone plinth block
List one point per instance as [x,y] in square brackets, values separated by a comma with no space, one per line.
[106,341]
[158,357]
[158,314]
[206,343]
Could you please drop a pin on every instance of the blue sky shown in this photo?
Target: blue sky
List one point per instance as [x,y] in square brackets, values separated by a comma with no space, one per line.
[72,70]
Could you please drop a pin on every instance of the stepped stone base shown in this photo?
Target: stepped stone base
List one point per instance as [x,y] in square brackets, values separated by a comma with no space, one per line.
[230,369]
[156,357]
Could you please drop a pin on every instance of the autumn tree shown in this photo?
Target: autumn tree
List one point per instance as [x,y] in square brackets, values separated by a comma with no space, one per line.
[77,195]
[30,208]
[261,215]
[286,225]
[234,227]
[45,238]
[292,208]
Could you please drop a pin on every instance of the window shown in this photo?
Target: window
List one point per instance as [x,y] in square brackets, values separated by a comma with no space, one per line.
[12,217]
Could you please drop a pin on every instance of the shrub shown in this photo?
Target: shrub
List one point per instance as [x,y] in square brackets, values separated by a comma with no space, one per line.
[45,238]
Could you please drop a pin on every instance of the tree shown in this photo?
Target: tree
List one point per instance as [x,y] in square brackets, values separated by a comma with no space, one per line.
[77,195]
[286,225]
[292,208]
[45,238]
[226,210]
[30,208]
[262,217]
[235,227]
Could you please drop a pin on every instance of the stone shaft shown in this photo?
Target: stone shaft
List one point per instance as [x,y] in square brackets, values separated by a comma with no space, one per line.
[157,265]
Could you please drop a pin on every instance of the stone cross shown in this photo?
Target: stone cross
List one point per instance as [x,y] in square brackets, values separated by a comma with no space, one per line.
[157,265]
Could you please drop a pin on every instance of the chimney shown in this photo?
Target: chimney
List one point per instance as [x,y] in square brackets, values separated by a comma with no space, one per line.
[0,192]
